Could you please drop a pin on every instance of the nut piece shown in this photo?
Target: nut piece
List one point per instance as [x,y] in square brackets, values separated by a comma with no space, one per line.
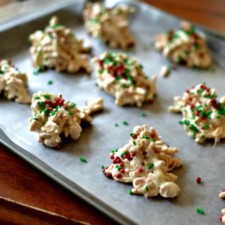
[203,114]
[52,117]
[13,83]
[145,162]
[184,46]
[164,72]
[123,77]
[109,24]
[57,47]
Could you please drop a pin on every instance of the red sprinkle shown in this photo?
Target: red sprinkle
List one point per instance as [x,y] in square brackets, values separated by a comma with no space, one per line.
[122,171]
[112,156]
[118,176]
[221,216]
[121,164]
[117,160]
[140,170]
[199,180]
[108,175]
[214,103]
[134,136]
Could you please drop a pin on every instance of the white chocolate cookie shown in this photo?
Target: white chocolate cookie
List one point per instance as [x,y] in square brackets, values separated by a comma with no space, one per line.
[13,83]
[123,77]
[109,24]
[52,117]
[145,162]
[203,114]
[185,46]
[57,47]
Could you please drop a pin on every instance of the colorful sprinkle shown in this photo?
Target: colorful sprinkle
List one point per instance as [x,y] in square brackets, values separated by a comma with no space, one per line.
[125,123]
[143,114]
[199,180]
[200,211]
[50,82]
[150,166]
[83,159]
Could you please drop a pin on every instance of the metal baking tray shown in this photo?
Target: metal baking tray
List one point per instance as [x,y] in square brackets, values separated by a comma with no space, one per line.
[98,139]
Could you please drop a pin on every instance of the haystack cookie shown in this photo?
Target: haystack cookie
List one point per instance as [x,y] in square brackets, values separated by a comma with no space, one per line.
[185,46]
[145,162]
[57,47]
[109,24]
[53,116]
[13,83]
[124,78]
[203,114]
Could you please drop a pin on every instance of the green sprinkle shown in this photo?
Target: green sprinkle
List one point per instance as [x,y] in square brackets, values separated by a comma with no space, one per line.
[46,112]
[130,192]
[38,70]
[69,113]
[140,66]
[35,118]
[194,128]
[50,82]
[100,71]
[134,143]
[200,211]
[150,166]
[125,123]
[196,46]
[72,105]
[1,72]
[116,124]
[146,188]
[221,110]
[36,97]
[148,138]
[206,126]
[83,159]
[94,20]
[46,96]
[115,150]
[186,122]
[124,153]
[41,105]
[118,167]
[180,122]
[103,167]
[187,52]
[124,86]
[143,114]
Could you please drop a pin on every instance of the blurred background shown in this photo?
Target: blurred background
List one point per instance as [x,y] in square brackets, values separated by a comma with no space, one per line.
[210,13]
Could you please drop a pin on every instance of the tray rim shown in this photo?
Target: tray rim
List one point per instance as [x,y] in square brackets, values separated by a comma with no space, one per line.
[73,187]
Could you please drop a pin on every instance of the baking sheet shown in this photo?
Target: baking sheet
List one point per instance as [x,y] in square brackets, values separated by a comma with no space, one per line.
[98,139]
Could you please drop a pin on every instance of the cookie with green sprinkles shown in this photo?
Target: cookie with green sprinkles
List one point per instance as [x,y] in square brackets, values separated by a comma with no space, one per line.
[185,46]
[146,163]
[57,47]
[124,78]
[102,22]
[203,114]
[54,117]
[13,83]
